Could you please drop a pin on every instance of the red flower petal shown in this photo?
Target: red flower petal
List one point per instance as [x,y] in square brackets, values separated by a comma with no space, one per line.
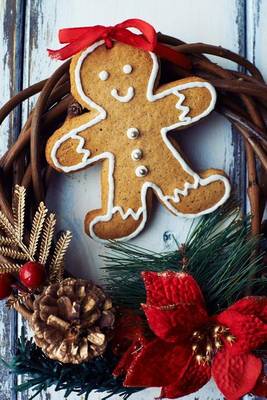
[252,305]
[171,287]
[193,378]
[125,361]
[261,386]
[157,364]
[250,332]
[129,327]
[235,376]
[175,323]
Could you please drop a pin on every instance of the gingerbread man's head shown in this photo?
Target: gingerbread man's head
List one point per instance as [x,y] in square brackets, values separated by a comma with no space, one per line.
[110,76]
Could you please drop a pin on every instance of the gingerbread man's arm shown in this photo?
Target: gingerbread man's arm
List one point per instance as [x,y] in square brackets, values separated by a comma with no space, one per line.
[77,143]
[183,102]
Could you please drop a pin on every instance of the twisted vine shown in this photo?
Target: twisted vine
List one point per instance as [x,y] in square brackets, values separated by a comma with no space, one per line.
[242,99]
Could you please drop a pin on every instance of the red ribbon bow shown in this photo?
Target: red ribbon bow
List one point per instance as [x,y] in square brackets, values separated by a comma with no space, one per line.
[79,39]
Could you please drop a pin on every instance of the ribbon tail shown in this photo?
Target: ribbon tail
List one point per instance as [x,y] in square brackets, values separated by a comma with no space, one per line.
[76,45]
[172,55]
[65,52]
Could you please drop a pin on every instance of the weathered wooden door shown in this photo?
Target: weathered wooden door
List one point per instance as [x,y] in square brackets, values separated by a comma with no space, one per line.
[29,27]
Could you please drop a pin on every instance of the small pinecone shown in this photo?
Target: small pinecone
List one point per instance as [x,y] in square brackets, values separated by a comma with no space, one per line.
[72,321]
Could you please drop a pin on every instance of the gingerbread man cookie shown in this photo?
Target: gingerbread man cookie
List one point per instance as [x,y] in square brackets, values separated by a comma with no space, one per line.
[126,128]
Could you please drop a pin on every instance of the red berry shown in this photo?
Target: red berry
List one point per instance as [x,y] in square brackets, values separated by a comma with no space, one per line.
[32,275]
[6,281]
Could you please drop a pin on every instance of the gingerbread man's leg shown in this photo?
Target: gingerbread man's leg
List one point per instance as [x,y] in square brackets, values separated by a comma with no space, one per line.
[125,207]
[212,191]
[185,192]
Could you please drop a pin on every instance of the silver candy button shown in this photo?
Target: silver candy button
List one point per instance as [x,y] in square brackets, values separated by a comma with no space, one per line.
[137,154]
[141,171]
[132,133]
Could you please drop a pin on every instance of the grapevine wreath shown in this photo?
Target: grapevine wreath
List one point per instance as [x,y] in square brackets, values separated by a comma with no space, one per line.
[171,320]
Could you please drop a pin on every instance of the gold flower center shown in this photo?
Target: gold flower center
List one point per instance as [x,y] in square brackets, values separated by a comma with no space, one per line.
[206,342]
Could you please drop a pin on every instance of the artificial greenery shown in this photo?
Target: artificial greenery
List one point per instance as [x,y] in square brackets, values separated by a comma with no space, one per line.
[40,373]
[219,252]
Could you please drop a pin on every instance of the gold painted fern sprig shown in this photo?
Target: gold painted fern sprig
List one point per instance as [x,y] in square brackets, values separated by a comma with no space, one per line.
[40,245]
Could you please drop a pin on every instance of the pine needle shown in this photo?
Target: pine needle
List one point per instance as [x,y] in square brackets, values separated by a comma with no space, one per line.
[56,267]
[47,237]
[42,231]
[7,268]
[18,206]
[6,225]
[218,250]
[40,373]
[37,227]
[8,241]
[11,253]
[11,302]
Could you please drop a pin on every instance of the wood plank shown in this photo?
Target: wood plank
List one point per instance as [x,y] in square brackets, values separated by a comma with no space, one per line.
[256,17]
[71,196]
[11,48]
[256,13]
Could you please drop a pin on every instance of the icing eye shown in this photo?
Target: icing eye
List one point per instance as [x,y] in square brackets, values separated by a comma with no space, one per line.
[103,75]
[127,69]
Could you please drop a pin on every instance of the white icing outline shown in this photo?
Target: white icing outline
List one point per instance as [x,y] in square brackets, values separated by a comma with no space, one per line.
[132,130]
[137,154]
[103,75]
[127,69]
[183,120]
[123,99]
[73,134]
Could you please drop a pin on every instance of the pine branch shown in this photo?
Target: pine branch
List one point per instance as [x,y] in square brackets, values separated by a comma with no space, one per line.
[18,206]
[42,231]
[11,302]
[20,299]
[82,379]
[47,237]
[218,249]
[56,267]
[6,226]
[8,268]
[11,253]
[8,241]
[37,227]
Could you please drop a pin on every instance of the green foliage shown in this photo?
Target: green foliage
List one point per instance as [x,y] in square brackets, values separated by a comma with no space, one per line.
[219,252]
[41,373]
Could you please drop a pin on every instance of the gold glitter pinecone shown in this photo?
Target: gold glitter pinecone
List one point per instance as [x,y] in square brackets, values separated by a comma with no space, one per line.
[72,321]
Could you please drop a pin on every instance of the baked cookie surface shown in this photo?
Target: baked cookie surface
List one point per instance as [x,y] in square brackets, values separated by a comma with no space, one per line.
[126,128]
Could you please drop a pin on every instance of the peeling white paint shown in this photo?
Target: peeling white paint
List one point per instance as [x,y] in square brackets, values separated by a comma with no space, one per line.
[218,22]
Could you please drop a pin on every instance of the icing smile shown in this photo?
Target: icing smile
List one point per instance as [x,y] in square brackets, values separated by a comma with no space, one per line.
[123,99]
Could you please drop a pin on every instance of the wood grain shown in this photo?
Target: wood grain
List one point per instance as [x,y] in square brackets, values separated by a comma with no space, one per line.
[30,26]
[256,17]
[11,50]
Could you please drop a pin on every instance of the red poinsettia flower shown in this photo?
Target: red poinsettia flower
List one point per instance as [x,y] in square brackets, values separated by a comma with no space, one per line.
[191,346]
[260,388]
